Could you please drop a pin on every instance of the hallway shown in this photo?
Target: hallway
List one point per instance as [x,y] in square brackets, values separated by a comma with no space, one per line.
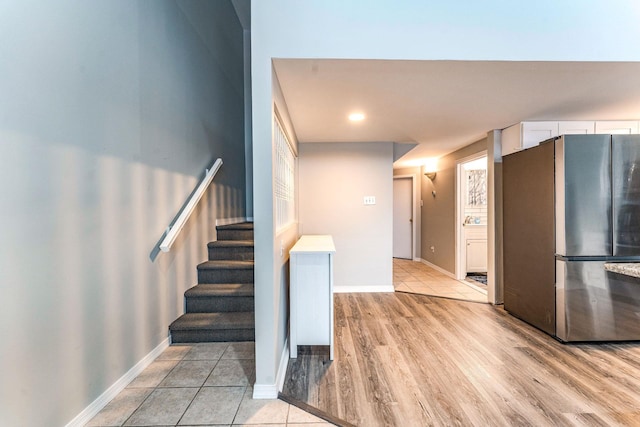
[418,278]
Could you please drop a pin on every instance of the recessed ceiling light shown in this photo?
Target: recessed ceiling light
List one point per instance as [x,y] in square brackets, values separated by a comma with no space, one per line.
[356,117]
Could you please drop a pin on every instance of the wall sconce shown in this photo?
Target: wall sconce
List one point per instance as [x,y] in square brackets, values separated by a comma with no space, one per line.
[430,168]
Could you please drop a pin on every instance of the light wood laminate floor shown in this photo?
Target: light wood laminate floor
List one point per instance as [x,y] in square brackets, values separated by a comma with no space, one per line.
[412,360]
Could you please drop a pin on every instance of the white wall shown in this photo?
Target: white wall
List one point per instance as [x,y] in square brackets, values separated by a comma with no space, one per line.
[272,319]
[571,30]
[412,29]
[334,178]
[110,111]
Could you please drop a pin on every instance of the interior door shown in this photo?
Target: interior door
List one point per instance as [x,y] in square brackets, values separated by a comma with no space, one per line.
[402,218]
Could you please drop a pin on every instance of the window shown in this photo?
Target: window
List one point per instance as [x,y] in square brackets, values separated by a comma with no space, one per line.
[284,176]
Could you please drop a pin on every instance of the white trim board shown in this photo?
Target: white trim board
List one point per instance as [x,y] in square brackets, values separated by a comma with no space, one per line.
[97,405]
[472,286]
[270,391]
[440,269]
[360,289]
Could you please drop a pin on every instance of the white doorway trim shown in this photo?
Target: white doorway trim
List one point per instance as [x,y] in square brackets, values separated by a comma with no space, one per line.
[415,213]
[460,245]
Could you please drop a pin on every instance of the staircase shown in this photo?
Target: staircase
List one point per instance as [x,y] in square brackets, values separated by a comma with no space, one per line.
[220,306]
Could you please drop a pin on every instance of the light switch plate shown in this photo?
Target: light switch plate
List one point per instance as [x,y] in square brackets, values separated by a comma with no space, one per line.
[369,200]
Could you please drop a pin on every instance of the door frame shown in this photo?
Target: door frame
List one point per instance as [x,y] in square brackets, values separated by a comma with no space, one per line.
[460,246]
[414,213]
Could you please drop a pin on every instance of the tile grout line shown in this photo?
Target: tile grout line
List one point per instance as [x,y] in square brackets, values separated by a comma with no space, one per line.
[153,389]
[419,274]
[238,408]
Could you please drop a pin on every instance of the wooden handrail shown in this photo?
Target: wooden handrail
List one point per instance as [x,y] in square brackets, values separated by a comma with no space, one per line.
[174,229]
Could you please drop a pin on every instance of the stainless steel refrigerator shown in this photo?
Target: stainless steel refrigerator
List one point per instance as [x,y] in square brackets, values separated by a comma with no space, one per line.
[570,205]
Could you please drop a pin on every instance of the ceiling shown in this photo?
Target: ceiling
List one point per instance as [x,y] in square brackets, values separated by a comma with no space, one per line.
[445,105]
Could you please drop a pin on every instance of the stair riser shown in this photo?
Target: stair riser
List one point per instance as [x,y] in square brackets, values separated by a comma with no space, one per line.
[231,254]
[235,234]
[225,335]
[219,304]
[225,276]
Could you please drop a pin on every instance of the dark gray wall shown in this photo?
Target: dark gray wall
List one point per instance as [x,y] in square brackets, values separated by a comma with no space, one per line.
[110,111]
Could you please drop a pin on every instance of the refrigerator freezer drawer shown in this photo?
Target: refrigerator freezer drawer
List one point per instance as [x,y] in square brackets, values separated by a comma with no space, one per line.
[593,304]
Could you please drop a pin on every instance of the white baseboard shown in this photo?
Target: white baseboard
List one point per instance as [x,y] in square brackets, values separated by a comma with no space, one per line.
[440,269]
[265,391]
[97,405]
[227,221]
[360,289]
[270,391]
[249,219]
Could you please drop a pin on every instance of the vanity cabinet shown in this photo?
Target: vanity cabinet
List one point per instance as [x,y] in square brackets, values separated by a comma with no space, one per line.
[476,255]
[476,248]
[311,293]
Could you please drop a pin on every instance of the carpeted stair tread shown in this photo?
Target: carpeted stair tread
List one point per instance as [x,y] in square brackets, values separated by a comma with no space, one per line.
[213,321]
[226,265]
[238,226]
[220,290]
[231,244]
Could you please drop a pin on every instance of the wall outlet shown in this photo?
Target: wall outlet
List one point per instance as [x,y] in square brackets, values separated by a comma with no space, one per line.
[433,249]
[369,200]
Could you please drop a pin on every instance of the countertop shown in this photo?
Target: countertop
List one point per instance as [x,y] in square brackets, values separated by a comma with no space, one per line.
[626,268]
[314,243]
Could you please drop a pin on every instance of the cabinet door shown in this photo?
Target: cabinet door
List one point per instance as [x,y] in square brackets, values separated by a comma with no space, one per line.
[576,128]
[477,255]
[617,127]
[533,133]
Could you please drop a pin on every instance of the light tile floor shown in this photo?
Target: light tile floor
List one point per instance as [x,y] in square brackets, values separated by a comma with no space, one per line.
[418,278]
[205,384]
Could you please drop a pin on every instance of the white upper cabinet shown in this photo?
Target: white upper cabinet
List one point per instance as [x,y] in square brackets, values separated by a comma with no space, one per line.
[617,127]
[533,133]
[576,128]
[511,140]
[528,134]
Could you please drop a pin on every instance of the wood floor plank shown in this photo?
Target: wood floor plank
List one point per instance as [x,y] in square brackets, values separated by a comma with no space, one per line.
[352,403]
